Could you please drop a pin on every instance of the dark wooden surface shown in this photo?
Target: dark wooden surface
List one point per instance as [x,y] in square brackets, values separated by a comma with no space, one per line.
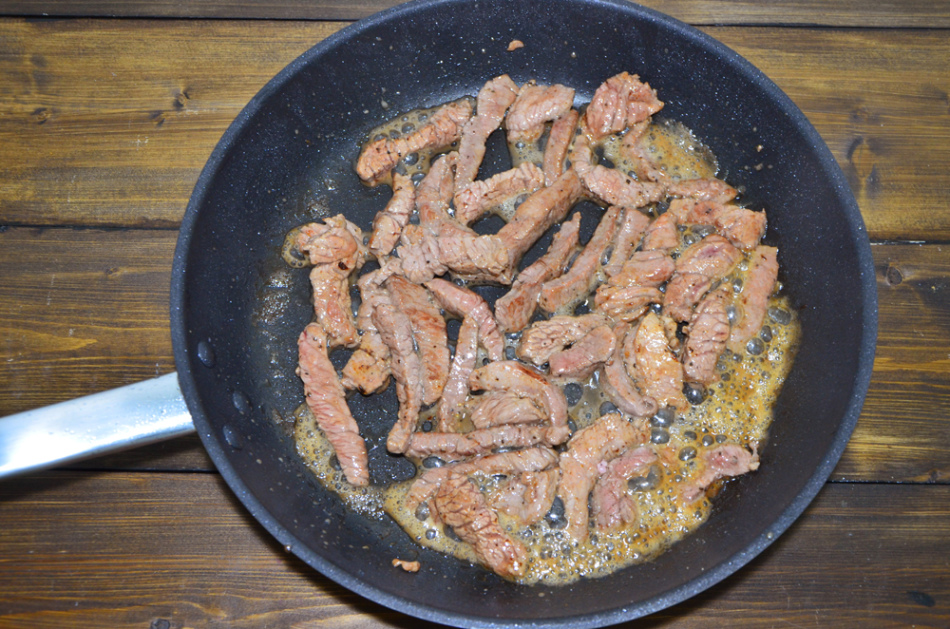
[105,122]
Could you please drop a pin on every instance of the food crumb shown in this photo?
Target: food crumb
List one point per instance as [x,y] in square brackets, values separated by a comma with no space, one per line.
[515,45]
[408,566]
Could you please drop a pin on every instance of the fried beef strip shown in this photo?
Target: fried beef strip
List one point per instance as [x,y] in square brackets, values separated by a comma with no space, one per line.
[444,126]
[454,445]
[535,105]
[728,459]
[626,295]
[616,381]
[662,234]
[617,188]
[515,377]
[754,298]
[396,332]
[547,337]
[368,368]
[462,506]
[611,505]
[696,269]
[707,334]
[455,391]
[585,356]
[500,408]
[559,140]
[515,309]
[588,450]
[657,370]
[325,397]
[494,99]
[742,227]
[389,223]
[528,496]
[633,225]
[619,102]
[478,197]
[465,303]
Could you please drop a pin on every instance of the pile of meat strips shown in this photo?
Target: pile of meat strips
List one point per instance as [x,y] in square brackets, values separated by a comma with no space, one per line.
[507,416]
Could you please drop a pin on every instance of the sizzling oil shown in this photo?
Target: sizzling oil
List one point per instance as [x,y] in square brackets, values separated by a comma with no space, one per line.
[736,409]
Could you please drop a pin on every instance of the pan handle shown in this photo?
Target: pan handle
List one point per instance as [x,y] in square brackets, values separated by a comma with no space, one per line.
[127,417]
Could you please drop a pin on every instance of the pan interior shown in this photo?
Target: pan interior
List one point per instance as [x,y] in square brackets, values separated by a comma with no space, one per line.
[287,159]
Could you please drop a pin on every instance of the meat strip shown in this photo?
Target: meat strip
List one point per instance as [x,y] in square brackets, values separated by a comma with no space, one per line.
[696,269]
[645,268]
[428,331]
[465,303]
[545,338]
[634,152]
[662,234]
[391,220]
[515,462]
[611,505]
[478,197]
[528,496]
[535,105]
[334,240]
[332,304]
[633,225]
[515,309]
[617,188]
[578,280]
[657,371]
[454,445]
[396,331]
[455,391]
[585,356]
[444,127]
[754,298]
[559,140]
[625,303]
[619,102]
[742,227]
[707,334]
[539,212]
[499,408]
[514,377]
[325,397]
[617,383]
[368,368]
[728,459]
[587,450]
[703,189]
[463,507]
[491,104]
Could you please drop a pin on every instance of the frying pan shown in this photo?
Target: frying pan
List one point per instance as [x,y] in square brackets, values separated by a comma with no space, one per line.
[236,309]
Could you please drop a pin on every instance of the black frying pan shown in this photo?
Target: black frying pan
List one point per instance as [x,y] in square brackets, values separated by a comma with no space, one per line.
[288,157]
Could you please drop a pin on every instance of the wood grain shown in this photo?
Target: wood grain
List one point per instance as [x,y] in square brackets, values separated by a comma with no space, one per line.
[907,14]
[108,123]
[74,324]
[845,563]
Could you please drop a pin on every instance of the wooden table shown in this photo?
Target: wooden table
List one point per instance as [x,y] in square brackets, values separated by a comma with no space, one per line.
[108,111]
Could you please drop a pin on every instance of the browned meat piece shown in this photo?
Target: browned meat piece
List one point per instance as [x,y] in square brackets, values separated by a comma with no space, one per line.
[408,566]
[643,165]
[581,153]
[389,223]
[625,303]
[744,228]
[559,140]
[465,303]
[616,382]
[335,240]
[500,408]
[621,101]
[616,188]
[396,331]
[696,269]
[514,377]
[545,338]
[707,333]
[325,397]
[611,505]
[587,450]
[540,211]
[632,227]
[516,462]
[493,101]
[657,370]
[585,356]
[578,280]
[477,198]
[515,309]
[754,298]
[662,234]
[535,105]
[332,305]
[703,190]
[368,367]
[434,194]
[455,391]
[463,507]
[444,127]
[528,496]
[728,459]
[454,445]
[645,268]
[428,331]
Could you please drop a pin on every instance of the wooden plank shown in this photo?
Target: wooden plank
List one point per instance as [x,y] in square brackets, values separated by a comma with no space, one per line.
[141,116]
[75,323]
[910,14]
[133,550]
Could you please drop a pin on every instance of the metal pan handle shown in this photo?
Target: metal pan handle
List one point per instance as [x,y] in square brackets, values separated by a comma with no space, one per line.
[127,417]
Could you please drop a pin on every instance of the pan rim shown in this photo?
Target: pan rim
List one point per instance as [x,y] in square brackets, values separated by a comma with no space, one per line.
[212,442]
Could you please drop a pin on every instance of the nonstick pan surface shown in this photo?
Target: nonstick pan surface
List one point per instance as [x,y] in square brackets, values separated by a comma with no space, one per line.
[287,159]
